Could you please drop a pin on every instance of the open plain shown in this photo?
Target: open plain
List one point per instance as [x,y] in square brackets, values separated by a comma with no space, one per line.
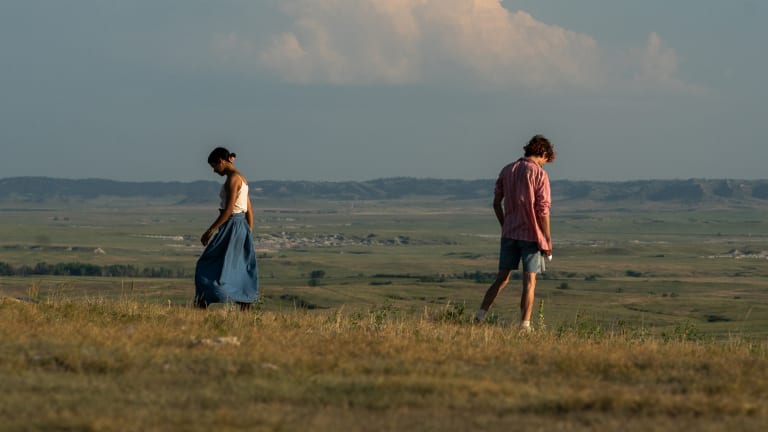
[650,317]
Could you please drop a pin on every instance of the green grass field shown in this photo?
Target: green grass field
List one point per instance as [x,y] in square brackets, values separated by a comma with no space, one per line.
[657,267]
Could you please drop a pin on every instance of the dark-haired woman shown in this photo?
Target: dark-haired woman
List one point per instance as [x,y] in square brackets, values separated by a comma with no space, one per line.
[226,271]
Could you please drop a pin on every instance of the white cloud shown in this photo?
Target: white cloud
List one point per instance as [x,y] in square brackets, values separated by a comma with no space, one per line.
[658,63]
[476,42]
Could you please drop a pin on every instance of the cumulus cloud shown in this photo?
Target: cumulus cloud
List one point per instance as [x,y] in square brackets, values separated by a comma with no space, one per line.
[415,41]
[657,62]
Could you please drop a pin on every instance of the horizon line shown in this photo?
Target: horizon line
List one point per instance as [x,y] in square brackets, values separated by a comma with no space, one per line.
[384,178]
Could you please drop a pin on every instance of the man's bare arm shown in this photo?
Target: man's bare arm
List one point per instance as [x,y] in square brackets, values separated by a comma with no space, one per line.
[498,209]
[545,228]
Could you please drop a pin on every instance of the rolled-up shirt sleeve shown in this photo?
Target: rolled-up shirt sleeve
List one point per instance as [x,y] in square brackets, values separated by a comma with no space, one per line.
[543,197]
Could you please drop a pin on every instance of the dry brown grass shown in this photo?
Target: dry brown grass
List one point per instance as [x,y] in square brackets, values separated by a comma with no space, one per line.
[125,365]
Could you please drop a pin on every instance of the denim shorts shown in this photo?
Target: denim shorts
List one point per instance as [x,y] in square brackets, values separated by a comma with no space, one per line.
[513,251]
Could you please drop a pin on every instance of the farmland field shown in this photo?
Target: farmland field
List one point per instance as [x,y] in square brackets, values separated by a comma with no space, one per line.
[653,267]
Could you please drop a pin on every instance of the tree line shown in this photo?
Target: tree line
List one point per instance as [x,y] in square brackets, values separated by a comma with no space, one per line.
[84,269]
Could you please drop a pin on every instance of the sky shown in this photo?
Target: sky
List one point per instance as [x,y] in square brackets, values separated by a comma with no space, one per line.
[336,90]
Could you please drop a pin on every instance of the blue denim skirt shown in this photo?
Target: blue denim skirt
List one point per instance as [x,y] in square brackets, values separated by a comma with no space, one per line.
[227,271]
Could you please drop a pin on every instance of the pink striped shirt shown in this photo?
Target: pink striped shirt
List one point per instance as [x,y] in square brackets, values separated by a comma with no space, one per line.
[524,187]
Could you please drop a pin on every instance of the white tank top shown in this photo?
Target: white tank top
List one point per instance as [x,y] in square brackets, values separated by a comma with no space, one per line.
[241,201]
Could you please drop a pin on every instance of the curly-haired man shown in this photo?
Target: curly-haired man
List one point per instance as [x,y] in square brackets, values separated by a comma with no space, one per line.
[523,189]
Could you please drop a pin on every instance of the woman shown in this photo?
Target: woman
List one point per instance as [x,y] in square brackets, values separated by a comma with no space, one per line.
[226,271]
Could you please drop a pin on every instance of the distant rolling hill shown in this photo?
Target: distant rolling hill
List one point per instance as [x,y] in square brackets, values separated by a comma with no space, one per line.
[41,189]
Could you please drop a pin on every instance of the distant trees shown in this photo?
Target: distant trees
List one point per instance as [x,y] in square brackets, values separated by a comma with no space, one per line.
[85,269]
[315,276]
[480,277]
[6,269]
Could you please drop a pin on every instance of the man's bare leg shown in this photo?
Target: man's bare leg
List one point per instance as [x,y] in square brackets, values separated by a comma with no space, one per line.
[527,298]
[493,291]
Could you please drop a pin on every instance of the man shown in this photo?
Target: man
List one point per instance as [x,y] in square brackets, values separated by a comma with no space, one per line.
[523,188]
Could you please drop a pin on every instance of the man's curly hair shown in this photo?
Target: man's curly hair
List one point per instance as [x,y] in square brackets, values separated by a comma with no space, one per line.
[540,146]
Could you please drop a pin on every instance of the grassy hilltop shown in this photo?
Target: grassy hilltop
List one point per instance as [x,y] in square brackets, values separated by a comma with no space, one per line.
[124,365]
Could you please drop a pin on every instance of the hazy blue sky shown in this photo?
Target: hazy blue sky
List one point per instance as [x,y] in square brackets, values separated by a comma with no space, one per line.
[362,89]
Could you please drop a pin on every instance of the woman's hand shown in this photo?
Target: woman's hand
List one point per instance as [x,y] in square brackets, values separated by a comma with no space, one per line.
[206,237]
